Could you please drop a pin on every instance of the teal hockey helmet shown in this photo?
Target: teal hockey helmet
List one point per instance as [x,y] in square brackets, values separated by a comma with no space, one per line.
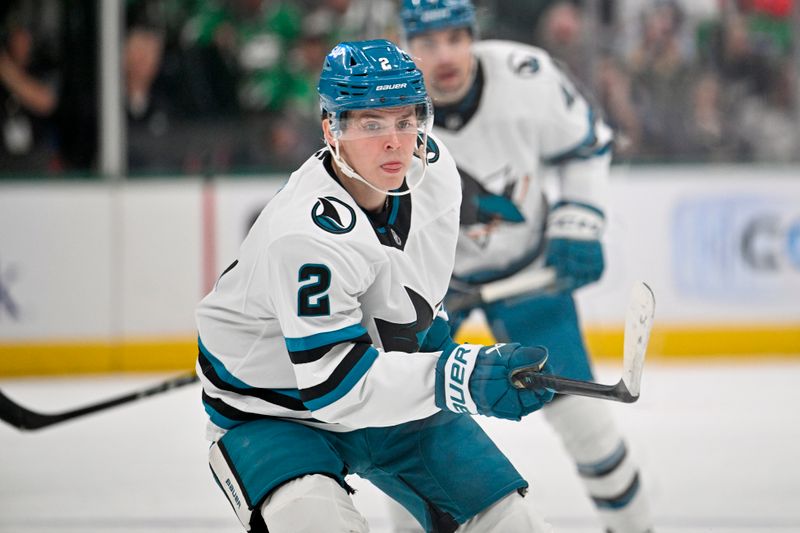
[368,75]
[376,74]
[420,16]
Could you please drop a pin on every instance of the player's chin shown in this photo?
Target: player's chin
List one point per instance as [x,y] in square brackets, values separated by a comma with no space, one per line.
[392,179]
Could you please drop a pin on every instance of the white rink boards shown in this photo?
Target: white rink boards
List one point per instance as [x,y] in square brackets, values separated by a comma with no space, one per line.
[717,444]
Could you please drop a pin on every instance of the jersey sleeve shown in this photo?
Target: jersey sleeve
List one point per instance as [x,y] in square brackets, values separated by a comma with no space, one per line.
[342,376]
[574,138]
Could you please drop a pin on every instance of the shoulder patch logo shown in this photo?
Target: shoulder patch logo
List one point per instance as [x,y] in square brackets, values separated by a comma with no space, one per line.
[333,215]
[432,149]
[523,64]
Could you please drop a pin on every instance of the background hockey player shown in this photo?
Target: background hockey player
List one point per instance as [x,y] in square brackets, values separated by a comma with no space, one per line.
[506,111]
[323,349]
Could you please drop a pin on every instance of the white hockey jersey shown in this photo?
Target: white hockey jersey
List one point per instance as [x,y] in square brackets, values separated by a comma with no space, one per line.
[321,316]
[522,113]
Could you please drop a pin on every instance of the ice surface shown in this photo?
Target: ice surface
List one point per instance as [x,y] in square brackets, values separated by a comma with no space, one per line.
[718,445]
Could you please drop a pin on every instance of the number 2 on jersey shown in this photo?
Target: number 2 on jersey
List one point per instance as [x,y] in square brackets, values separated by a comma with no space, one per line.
[311,297]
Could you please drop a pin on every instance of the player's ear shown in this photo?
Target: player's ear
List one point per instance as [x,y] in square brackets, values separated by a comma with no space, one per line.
[326,130]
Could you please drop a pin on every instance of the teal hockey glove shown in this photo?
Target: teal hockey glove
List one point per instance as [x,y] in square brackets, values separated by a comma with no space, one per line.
[574,249]
[438,337]
[474,379]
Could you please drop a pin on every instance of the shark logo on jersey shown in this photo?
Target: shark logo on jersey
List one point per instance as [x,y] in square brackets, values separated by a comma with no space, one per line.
[333,215]
[523,64]
[432,149]
[484,209]
[409,336]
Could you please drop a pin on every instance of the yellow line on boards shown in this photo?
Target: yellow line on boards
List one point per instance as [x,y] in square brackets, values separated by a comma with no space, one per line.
[679,343]
[97,357]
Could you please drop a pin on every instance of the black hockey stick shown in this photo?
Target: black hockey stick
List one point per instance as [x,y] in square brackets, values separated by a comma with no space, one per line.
[638,322]
[26,419]
[543,280]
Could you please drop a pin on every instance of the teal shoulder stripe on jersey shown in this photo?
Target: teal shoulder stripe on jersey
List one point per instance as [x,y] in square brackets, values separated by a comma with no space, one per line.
[352,377]
[297,344]
[220,369]
[586,149]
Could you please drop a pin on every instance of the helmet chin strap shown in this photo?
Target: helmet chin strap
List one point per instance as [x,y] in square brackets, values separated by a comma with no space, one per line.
[348,171]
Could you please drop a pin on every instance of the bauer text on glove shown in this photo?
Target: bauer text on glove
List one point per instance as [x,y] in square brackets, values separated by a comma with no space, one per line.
[475,379]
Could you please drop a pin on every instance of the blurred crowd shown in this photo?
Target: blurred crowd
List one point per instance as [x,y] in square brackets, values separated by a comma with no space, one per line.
[687,84]
[223,86]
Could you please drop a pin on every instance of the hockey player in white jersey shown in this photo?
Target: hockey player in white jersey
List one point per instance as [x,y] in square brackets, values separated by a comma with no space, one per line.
[507,112]
[324,350]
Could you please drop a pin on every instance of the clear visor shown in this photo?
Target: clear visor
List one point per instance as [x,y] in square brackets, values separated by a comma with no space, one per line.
[383,122]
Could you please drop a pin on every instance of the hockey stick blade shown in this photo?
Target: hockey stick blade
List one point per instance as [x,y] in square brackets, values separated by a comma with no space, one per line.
[638,322]
[25,419]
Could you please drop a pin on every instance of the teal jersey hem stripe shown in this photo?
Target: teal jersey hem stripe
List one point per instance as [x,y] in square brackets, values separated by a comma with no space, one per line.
[222,421]
[297,344]
[347,383]
[220,369]
[291,393]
